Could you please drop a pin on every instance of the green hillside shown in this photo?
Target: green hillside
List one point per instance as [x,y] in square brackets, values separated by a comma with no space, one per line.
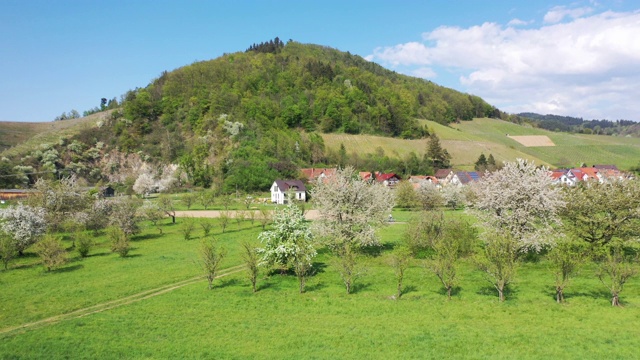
[466,140]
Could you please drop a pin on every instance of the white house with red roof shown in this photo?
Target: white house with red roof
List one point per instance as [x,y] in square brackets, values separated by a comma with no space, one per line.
[281,188]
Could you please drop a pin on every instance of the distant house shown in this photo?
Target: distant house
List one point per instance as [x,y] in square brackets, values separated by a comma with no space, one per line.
[317,174]
[107,191]
[281,188]
[15,194]
[444,176]
[389,179]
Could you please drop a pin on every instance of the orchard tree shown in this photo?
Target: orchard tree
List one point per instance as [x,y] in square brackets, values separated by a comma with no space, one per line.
[252,262]
[211,257]
[521,200]
[144,185]
[52,252]
[616,269]
[350,209]
[429,196]
[126,216]
[598,213]
[400,261]
[290,242]
[565,258]
[498,260]
[8,249]
[60,199]
[24,224]
[406,196]
[167,205]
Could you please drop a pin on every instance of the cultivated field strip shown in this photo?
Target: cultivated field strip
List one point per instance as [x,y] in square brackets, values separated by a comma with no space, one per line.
[112,304]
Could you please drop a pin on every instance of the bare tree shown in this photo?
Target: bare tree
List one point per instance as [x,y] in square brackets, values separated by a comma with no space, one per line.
[565,258]
[265,218]
[207,198]
[167,205]
[187,228]
[615,271]
[224,220]
[252,262]
[400,260]
[346,261]
[188,200]
[211,258]
[206,226]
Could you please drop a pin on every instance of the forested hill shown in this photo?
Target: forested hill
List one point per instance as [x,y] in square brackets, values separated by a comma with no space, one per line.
[579,125]
[256,112]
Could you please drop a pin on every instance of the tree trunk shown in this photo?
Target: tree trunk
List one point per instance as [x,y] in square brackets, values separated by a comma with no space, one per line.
[559,295]
[301,284]
[501,294]
[348,285]
[173,218]
[399,290]
[615,300]
[448,292]
[253,284]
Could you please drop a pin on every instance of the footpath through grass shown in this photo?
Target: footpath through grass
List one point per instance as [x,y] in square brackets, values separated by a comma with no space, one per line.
[277,322]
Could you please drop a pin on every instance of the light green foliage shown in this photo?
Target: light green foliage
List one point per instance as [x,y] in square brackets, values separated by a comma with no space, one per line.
[152,212]
[211,256]
[125,215]
[207,198]
[406,196]
[400,260]
[8,249]
[565,258]
[206,226]
[499,260]
[187,227]
[616,269]
[84,243]
[598,213]
[224,220]
[51,252]
[119,241]
[251,260]
[188,199]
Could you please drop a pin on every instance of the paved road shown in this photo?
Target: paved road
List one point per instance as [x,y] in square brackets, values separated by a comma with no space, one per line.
[309,214]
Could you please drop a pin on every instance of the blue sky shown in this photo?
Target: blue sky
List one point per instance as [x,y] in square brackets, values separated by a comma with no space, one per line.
[578,58]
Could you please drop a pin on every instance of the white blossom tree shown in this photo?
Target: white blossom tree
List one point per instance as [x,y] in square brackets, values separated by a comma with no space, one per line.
[144,185]
[290,242]
[24,224]
[520,201]
[350,209]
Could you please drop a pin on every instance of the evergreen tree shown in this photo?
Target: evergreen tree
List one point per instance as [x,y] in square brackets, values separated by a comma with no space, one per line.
[437,156]
[481,163]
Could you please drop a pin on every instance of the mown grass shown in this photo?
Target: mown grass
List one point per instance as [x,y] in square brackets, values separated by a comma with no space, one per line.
[467,140]
[278,322]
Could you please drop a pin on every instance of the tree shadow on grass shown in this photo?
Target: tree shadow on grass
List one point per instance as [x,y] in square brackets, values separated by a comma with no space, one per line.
[376,251]
[68,268]
[409,289]
[223,283]
[360,286]
[106,253]
[315,287]
[456,290]
[510,293]
[146,237]
[318,268]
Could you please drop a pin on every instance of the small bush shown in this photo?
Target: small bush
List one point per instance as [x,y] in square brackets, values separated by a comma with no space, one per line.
[84,243]
[119,241]
[52,252]
[187,228]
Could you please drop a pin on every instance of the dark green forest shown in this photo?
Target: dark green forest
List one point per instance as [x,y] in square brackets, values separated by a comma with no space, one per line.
[245,118]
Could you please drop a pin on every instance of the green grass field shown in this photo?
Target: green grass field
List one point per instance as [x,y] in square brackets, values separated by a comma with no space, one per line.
[277,322]
[467,140]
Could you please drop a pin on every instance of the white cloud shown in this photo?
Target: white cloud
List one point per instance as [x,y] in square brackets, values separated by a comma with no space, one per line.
[424,72]
[518,22]
[558,13]
[585,67]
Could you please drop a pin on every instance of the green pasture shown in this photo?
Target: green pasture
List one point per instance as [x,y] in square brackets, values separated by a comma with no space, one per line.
[277,322]
[468,139]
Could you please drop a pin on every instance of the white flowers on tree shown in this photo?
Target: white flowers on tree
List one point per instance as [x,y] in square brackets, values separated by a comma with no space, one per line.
[290,240]
[24,224]
[147,182]
[521,200]
[350,209]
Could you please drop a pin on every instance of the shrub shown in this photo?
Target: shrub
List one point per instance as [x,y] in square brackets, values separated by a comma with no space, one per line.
[52,252]
[119,241]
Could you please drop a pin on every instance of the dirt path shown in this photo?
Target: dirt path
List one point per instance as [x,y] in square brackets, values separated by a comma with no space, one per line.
[112,304]
[309,214]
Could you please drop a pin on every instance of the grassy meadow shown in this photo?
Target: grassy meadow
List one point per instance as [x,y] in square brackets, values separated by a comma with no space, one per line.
[277,322]
[466,140]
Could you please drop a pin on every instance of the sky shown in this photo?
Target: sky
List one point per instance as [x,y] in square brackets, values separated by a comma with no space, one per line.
[576,58]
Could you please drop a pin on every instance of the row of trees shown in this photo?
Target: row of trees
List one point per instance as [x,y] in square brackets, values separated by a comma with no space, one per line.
[521,214]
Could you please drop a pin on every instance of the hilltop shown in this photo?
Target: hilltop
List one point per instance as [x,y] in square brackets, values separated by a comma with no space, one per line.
[241,120]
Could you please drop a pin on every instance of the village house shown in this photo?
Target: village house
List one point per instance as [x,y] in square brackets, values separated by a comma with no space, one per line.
[419,180]
[281,188]
[313,175]
[387,179]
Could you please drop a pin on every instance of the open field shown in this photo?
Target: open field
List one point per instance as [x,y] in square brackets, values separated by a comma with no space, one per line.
[18,136]
[189,321]
[467,140]
[533,140]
